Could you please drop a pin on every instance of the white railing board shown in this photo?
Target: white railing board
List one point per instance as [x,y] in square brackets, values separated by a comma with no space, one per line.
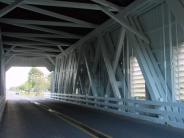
[158,112]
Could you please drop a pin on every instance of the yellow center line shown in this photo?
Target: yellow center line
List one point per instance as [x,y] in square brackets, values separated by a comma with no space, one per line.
[73,122]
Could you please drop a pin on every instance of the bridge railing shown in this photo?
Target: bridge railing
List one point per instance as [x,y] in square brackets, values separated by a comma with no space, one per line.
[159,112]
[2,106]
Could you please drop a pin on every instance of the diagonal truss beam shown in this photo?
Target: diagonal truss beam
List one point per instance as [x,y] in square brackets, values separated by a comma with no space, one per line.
[123,13]
[117,56]
[9,59]
[124,24]
[51,60]
[107,4]
[109,68]
[66,4]
[90,77]
[52,14]
[10,7]
[9,50]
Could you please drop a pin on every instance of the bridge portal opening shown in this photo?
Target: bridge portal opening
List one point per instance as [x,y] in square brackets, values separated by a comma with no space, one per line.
[27,82]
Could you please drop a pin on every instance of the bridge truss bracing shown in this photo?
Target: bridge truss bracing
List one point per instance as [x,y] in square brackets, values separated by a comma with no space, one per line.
[122,58]
[96,73]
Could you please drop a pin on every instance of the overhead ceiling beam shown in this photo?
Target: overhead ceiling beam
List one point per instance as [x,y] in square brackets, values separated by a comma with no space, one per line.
[43,29]
[122,13]
[32,54]
[39,35]
[10,7]
[38,22]
[52,14]
[40,40]
[124,24]
[33,48]
[66,4]
[107,4]
[31,51]
[26,43]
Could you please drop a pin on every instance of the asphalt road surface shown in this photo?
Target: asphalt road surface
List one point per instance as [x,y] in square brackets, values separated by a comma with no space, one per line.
[53,119]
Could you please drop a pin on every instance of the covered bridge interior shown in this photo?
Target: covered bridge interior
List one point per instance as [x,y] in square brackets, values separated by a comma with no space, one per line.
[124,57]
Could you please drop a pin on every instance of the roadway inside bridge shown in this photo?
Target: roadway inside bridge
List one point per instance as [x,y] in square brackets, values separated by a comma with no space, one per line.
[25,118]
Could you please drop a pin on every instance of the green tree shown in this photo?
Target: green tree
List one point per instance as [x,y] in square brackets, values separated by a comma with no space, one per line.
[49,80]
[36,80]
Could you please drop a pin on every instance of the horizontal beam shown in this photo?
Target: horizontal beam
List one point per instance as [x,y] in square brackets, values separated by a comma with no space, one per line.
[39,22]
[39,35]
[66,4]
[10,7]
[41,40]
[31,48]
[32,51]
[52,14]
[108,24]
[47,30]
[107,4]
[26,43]
[32,54]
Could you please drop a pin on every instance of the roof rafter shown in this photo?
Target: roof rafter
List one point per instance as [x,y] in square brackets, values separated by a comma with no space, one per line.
[52,14]
[40,40]
[43,29]
[33,48]
[107,4]
[39,35]
[39,22]
[124,24]
[66,4]
[32,54]
[10,7]
[25,43]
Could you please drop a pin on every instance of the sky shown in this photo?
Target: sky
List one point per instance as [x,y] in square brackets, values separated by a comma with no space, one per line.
[16,76]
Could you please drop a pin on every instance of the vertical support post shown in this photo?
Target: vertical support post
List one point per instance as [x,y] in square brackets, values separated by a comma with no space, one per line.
[2,69]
